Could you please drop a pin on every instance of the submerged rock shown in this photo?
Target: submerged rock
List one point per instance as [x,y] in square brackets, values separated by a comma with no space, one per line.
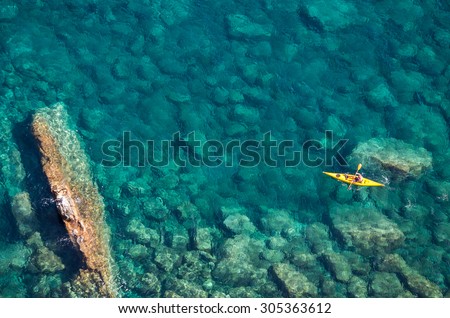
[338,265]
[203,239]
[134,188]
[243,247]
[149,285]
[357,287]
[23,213]
[165,259]
[430,62]
[155,209]
[13,257]
[121,68]
[92,118]
[304,260]
[277,220]
[48,286]
[368,230]
[328,287]
[359,265]
[186,211]
[178,92]
[236,272]
[185,288]
[272,256]
[442,234]
[8,11]
[236,96]
[338,126]
[173,13]
[294,283]
[240,265]
[43,259]
[142,234]
[196,266]
[276,243]
[261,49]
[138,252]
[393,154]
[317,235]
[171,294]
[386,285]
[380,97]
[417,283]
[171,66]
[220,95]
[235,129]
[323,15]
[343,195]
[245,114]
[407,83]
[241,27]
[179,241]
[239,224]
[243,292]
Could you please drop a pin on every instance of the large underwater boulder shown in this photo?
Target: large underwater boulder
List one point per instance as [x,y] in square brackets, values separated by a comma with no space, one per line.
[393,154]
[415,282]
[294,283]
[366,229]
[242,27]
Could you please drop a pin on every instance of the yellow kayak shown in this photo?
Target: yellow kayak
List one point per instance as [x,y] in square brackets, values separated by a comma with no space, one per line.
[348,178]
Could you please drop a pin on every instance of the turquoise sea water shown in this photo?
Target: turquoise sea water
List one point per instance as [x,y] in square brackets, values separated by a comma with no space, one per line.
[373,72]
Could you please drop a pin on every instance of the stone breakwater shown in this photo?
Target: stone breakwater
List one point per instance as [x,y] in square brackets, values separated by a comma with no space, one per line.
[77,199]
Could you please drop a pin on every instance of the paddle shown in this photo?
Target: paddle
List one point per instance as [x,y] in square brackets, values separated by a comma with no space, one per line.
[359,168]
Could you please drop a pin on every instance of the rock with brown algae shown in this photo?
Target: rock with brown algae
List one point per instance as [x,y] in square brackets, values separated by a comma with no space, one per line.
[77,199]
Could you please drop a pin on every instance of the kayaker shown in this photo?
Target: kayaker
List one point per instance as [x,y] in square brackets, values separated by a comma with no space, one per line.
[358,177]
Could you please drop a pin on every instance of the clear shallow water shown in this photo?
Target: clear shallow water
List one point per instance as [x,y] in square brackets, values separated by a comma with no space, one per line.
[232,70]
